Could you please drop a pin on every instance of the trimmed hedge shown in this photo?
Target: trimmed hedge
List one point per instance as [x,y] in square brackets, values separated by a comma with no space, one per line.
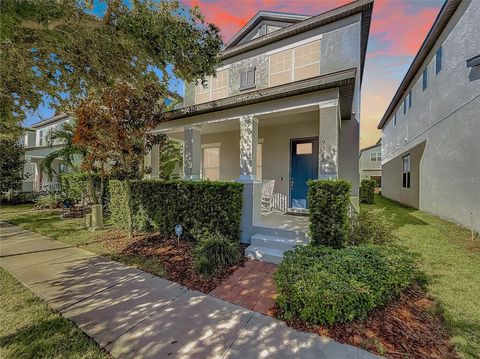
[367,191]
[215,207]
[322,285]
[328,202]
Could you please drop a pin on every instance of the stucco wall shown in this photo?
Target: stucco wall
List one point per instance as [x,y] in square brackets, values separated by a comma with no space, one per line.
[275,146]
[446,117]
[339,50]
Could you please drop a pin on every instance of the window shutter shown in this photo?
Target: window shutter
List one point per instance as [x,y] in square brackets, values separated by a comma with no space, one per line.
[247,78]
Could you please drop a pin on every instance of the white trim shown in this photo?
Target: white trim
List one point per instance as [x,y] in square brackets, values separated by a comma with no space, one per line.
[326,104]
[211,145]
[260,140]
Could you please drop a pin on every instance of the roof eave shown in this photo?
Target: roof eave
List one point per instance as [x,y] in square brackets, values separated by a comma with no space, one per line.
[332,80]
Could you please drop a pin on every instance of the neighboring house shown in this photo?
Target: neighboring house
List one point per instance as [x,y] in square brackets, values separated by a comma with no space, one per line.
[284,106]
[431,129]
[37,147]
[371,163]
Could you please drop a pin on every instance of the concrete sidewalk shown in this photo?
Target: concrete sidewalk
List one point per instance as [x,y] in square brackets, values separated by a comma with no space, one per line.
[137,315]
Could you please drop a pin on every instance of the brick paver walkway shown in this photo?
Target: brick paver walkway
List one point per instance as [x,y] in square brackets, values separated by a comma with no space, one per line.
[251,287]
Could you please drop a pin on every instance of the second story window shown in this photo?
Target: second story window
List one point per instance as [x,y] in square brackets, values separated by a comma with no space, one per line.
[404,105]
[438,60]
[395,120]
[215,88]
[425,79]
[410,100]
[41,137]
[307,61]
[247,78]
[280,68]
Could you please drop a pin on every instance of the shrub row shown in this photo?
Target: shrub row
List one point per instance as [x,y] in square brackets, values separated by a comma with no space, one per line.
[214,207]
[328,202]
[322,285]
[367,191]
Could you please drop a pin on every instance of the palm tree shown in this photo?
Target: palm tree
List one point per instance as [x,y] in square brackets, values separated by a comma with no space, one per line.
[68,152]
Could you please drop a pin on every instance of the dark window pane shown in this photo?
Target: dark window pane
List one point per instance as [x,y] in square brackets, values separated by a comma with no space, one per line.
[438,60]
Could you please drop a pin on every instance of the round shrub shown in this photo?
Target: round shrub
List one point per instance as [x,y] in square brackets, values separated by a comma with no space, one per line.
[218,251]
[322,285]
[371,226]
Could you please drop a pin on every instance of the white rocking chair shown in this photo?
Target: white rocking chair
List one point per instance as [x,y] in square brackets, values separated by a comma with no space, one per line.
[267,194]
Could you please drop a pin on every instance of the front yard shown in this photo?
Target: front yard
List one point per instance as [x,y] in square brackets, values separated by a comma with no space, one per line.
[29,329]
[452,265]
[448,258]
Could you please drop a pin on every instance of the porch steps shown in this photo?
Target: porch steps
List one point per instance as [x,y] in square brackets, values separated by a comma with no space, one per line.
[267,248]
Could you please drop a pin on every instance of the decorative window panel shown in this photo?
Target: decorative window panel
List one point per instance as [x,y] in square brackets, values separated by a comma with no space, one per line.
[304,148]
[307,61]
[259,160]
[280,68]
[202,94]
[211,163]
[219,85]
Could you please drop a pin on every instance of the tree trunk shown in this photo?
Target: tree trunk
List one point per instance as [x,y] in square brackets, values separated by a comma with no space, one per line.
[91,185]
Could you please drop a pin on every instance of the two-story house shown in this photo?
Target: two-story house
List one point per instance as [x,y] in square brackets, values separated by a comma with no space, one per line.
[37,147]
[371,163]
[431,129]
[284,106]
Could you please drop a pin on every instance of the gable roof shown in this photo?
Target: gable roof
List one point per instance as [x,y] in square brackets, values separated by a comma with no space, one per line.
[363,7]
[443,17]
[262,16]
[379,143]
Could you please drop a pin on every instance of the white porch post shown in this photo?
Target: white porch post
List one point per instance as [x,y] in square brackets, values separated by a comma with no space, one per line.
[152,160]
[328,146]
[192,153]
[251,211]
[248,148]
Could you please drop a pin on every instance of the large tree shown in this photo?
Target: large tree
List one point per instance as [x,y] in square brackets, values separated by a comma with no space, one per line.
[11,165]
[65,48]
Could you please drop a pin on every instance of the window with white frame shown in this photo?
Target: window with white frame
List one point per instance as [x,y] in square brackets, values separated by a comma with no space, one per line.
[211,163]
[280,68]
[375,156]
[406,171]
[307,61]
[41,137]
[425,79]
[247,78]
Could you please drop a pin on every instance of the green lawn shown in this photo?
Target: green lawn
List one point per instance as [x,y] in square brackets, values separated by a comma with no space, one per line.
[29,329]
[72,231]
[452,265]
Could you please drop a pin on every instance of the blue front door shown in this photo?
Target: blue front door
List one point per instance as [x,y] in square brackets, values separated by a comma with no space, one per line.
[303,167]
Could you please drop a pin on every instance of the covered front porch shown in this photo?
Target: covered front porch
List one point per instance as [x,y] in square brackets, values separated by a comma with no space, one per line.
[284,142]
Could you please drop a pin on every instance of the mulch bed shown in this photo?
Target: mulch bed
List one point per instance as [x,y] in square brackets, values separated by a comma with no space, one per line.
[410,327]
[175,257]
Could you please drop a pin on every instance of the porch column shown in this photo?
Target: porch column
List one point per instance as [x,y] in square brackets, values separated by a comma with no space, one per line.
[152,160]
[328,146]
[251,210]
[248,148]
[192,153]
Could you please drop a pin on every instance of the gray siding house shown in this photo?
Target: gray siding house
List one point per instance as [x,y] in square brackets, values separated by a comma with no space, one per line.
[371,163]
[37,147]
[431,129]
[284,106]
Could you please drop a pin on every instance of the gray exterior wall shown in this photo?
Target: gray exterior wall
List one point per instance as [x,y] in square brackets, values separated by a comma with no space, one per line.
[370,168]
[445,120]
[339,50]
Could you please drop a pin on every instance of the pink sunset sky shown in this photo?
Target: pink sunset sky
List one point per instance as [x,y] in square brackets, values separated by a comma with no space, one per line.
[397,30]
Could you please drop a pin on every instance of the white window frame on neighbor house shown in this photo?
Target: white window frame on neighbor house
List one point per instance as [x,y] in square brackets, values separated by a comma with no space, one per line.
[375,156]
[406,168]
[211,89]
[210,146]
